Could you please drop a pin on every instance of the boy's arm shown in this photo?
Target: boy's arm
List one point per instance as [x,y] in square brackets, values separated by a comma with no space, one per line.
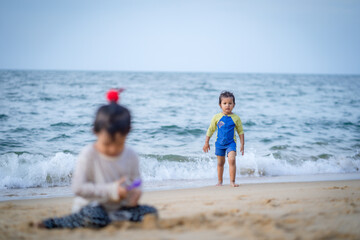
[206,146]
[209,133]
[242,142]
[240,131]
[238,126]
[212,127]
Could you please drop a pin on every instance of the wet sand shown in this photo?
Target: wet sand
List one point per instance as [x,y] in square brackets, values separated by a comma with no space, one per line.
[310,210]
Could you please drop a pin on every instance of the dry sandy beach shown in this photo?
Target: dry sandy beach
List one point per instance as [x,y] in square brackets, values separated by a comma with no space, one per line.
[312,210]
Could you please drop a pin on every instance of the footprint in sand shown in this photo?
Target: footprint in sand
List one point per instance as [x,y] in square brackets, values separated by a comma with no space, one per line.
[164,207]
[267,201]
[240,197]
[272,202]
[335,188]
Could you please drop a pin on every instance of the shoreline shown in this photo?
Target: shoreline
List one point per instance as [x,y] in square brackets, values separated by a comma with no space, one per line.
[286,210]
[65,191]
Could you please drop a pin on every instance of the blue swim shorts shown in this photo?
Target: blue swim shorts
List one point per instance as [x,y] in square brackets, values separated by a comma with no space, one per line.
[221,150]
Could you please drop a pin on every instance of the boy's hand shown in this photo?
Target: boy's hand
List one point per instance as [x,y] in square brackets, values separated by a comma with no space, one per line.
[206,147]
[242,150]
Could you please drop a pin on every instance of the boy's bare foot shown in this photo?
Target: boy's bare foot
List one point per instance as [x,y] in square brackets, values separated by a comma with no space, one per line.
[233,184]
[219,184]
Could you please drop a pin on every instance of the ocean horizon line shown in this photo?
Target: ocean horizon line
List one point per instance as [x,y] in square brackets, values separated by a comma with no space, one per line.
[180,71]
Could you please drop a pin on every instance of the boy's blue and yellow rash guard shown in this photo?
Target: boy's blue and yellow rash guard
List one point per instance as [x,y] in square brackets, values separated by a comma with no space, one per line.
[226,125]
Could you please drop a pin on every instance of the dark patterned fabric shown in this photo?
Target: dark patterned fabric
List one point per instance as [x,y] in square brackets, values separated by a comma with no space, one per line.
[97,217]
[134,214]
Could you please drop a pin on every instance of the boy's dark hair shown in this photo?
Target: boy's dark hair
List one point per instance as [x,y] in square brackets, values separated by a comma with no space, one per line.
[226,94]
[113,118]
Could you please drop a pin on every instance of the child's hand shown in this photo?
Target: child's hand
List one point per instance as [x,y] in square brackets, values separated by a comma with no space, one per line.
[206,147]
[133,197]
[242,150]
[122,192]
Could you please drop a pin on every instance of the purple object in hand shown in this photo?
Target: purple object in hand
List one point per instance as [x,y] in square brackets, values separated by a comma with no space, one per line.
[134,184]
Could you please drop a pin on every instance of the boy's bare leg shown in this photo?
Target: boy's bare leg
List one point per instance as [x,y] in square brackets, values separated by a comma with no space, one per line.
[220,169]
[232,168]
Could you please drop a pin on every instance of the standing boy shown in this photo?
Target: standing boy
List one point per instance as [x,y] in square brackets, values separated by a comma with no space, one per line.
[226,122]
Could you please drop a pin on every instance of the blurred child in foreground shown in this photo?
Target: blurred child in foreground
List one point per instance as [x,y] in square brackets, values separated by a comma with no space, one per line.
[106,180]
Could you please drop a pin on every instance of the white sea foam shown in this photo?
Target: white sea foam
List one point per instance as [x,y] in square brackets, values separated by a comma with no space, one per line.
[199,168]
[27,170]
[257,165]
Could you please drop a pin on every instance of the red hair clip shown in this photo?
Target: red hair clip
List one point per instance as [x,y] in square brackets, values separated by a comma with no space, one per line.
[113,95]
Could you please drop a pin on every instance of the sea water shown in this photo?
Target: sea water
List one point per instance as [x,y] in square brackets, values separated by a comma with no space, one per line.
[297,127]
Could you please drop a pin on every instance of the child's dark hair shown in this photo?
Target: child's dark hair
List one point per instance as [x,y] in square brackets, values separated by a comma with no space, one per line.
[226,94]
[113,118]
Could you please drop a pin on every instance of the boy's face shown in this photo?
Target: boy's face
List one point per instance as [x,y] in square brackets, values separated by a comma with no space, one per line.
[227,105]
[109,146]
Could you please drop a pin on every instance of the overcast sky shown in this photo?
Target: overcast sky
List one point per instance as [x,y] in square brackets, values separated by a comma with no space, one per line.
[258,36]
